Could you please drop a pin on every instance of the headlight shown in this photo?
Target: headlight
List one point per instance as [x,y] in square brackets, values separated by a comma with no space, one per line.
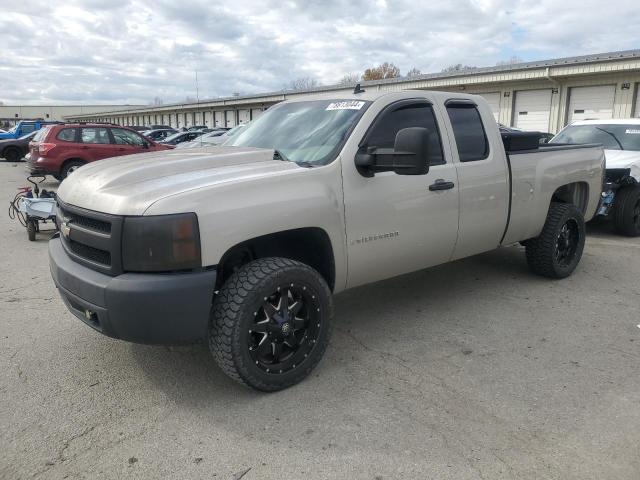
[161,243]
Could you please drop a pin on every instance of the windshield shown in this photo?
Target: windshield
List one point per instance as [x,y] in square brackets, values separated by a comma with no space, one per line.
[303,132]
[173,137]
[611,136]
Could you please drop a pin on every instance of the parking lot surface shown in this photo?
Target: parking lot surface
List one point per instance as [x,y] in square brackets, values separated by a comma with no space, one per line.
[472,370]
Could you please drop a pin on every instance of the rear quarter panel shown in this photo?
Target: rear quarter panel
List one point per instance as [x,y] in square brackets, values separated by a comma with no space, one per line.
[538,174]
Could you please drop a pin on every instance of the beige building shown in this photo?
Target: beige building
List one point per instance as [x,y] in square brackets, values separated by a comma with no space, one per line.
[543,95]
[12,114]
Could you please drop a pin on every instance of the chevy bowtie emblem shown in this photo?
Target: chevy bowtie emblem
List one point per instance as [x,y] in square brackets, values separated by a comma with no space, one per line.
[65,229]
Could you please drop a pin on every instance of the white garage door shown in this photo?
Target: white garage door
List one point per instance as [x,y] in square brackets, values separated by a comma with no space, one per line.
[591,102]
[244,116]
[636,110]
[219,119]
[230,117]
[493,99]
[532,110]
[255,113]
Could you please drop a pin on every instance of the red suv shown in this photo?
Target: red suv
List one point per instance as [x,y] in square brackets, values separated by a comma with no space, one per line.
[59,149]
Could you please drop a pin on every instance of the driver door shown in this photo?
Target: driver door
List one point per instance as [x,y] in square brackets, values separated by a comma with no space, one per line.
[400,223]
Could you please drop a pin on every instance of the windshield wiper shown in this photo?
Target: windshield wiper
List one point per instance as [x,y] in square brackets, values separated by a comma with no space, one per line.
[614,137]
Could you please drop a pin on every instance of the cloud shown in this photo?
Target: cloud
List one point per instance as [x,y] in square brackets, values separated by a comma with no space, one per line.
[129,51]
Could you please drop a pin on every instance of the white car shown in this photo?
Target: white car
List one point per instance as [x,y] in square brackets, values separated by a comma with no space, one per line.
[621,141]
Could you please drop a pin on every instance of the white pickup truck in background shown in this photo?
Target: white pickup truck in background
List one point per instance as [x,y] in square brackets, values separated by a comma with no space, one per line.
[244,244]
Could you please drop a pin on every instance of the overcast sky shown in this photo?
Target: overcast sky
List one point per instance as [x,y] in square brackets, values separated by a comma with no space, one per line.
[125,51]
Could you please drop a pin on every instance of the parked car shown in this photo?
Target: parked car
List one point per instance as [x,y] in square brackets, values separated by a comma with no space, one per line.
[245,244]
[13,150]
[159,134]
[25,127]
[220,139]
[60,149]
[195,128]
[158,127]
[205,140]
[621,193]
[180,137]
[138,128]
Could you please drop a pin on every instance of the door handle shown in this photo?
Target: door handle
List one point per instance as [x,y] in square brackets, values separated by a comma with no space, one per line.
[441,185]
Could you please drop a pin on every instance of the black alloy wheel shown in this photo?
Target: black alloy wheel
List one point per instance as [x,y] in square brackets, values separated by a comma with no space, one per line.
[567,243]
[285,329]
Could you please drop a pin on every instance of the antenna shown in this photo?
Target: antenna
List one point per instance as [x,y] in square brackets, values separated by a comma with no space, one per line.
[358,89]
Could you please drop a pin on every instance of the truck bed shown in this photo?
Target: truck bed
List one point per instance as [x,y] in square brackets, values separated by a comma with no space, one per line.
[537,174]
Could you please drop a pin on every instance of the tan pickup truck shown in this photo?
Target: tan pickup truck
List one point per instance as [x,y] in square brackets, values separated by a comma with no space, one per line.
[244,244]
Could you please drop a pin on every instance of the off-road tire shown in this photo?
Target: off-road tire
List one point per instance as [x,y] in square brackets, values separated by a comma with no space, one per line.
[12,154]
[234,310]
[69,166]
[541,251]
[626,211]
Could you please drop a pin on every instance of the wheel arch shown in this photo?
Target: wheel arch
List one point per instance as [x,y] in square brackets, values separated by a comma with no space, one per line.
[576,193]
[309,245]
[68,160]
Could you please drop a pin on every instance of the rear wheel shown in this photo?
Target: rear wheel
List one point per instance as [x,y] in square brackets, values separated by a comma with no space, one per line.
[12,154]
[70,167]
[626,214]
[556,252]
[270,323]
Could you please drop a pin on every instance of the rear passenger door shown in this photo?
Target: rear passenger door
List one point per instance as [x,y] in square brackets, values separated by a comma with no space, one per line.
[95,143]
[482,175]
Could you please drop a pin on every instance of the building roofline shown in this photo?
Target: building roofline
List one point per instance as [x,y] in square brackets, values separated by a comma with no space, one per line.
[514,67]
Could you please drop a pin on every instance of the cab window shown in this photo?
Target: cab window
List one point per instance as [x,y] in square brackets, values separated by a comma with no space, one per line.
[468,131]
[419,114]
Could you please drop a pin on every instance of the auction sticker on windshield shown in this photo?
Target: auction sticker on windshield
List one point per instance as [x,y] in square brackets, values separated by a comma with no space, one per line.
[345,105]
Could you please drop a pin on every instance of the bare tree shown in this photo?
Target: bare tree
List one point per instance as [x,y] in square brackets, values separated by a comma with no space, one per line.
[385,70]
[458,67]
[189,99]
[414,72]
[156,101]
[511,61]
[303,83]
[349,79]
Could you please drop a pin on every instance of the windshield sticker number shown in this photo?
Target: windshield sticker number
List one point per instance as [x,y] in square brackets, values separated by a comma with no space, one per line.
[346,105]
[632,131]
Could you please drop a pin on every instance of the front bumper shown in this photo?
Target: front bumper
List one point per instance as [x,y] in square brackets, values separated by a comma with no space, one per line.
[136,307]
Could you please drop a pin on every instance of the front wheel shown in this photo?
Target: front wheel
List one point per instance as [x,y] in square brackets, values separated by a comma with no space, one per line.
[270,323]
[626,214]
[556,252]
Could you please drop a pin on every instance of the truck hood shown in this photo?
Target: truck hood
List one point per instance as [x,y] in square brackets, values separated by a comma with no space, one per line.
[624,159]
[129,185]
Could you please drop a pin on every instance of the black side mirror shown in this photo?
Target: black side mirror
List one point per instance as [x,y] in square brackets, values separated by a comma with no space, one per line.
[409,156]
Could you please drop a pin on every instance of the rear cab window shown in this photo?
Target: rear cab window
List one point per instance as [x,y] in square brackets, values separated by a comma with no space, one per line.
[468,130]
